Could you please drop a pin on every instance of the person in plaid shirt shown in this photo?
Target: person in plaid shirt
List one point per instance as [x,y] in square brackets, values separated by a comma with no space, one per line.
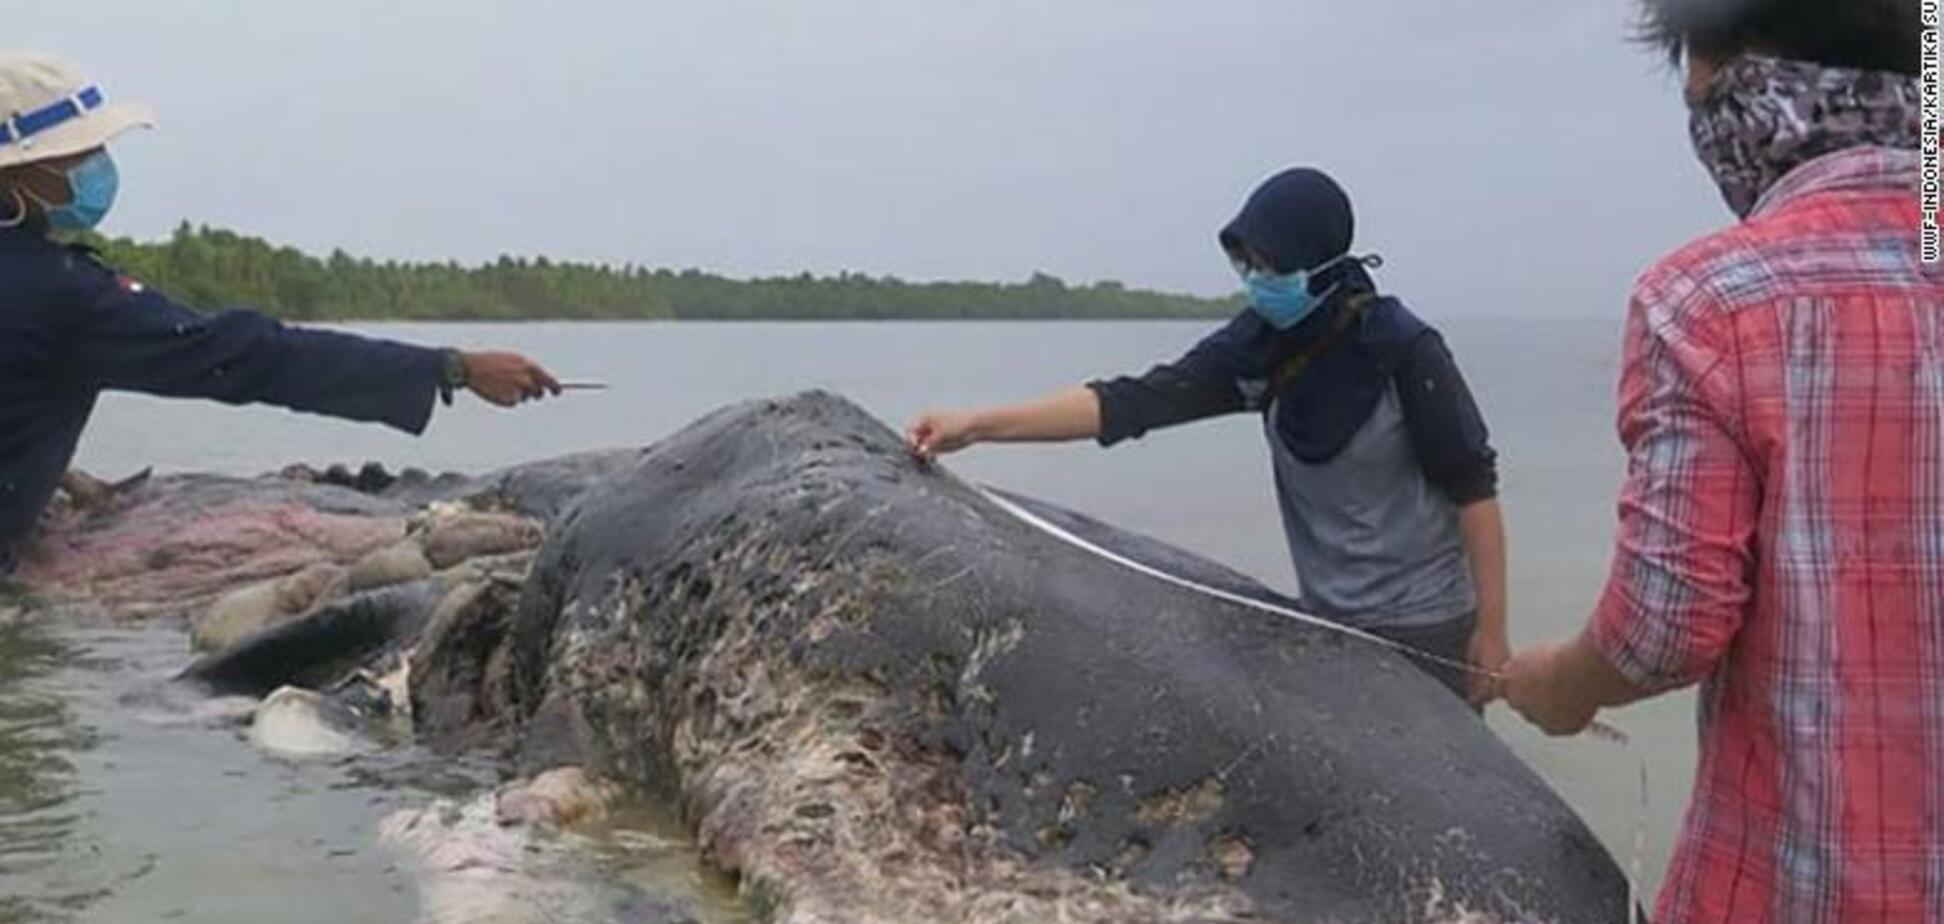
[1781,532]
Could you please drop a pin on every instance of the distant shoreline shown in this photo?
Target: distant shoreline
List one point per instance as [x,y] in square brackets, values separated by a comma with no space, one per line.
[212,268]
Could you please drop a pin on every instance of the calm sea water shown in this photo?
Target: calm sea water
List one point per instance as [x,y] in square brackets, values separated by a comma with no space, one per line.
[148,822]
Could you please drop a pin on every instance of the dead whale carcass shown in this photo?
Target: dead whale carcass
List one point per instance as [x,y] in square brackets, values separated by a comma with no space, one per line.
[880,698]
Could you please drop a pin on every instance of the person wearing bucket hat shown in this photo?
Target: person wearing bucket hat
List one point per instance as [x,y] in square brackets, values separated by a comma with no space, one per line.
[1387,479]
[71,327]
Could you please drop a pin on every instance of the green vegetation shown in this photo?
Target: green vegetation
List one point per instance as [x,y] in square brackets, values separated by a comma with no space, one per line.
[210,268]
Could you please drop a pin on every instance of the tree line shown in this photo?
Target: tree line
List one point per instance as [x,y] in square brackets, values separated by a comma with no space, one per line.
[212,268]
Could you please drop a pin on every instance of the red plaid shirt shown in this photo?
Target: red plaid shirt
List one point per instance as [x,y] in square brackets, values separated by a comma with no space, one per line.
[1782,541]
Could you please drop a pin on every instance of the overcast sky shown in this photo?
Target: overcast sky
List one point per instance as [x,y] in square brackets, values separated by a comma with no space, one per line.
[1506,156]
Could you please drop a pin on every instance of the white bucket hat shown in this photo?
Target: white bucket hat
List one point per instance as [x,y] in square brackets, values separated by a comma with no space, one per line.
[47,111]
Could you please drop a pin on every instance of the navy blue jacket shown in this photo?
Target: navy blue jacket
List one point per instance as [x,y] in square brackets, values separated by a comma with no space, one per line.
[71,328]
[1235,369]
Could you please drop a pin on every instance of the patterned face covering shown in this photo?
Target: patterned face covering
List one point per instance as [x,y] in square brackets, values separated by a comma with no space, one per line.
[1763,117]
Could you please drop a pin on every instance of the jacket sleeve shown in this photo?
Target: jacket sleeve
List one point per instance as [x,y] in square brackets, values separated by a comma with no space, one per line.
[126,337]
[1223,374]
[1447,432]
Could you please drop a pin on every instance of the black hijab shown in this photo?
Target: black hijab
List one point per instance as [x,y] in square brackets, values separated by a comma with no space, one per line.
[1298,220]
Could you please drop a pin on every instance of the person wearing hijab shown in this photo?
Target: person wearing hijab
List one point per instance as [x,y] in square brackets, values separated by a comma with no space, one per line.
[1385,474]
[72,327]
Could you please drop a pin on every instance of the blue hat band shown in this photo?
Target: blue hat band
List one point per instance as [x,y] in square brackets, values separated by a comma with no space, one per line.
[28,124]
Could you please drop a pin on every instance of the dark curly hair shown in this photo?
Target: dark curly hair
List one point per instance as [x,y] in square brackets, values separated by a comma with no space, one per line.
[1878,35]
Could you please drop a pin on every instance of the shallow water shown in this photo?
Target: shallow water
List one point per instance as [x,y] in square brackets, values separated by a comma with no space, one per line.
[142,811]
[150,820]
[123,799]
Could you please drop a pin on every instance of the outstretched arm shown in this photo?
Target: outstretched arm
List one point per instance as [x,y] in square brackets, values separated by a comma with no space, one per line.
[1070,414]
[121,335]
[1682,574]
[1209,381]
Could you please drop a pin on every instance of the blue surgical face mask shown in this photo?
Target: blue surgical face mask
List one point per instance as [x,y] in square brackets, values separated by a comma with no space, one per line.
[1284,301]
[92,185]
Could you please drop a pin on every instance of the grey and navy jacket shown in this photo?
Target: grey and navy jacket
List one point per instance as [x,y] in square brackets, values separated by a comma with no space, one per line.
[71,328]
[1377,443]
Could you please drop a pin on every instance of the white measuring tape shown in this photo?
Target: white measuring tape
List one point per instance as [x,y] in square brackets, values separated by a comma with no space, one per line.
[1058,532]
[1601,730]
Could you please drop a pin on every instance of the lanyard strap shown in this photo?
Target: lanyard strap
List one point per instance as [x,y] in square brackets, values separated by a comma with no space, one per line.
[1293,367]
[24,125]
